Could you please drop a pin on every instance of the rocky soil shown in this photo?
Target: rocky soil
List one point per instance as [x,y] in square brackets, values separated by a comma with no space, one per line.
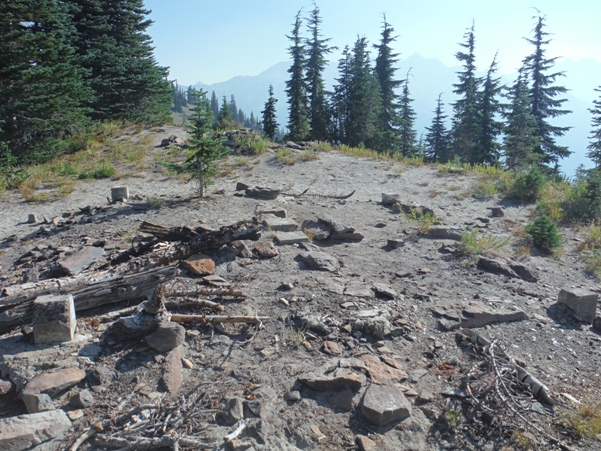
[361,348]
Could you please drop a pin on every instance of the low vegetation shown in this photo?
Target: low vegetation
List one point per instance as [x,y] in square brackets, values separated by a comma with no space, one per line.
[474,243]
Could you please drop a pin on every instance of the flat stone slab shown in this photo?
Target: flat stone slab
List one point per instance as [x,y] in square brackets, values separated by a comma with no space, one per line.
[320,261]
[287,238]
[81,260]
[53,383]
[26,431]
[581,302]
[53,319]
[445,233]
[280,224]
[481,315]
[339,382]
[383,404]
[199,265]
[167,337]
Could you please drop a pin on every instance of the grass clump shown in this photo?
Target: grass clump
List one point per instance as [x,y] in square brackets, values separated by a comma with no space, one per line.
[420,219]
[102,170]
[473,244]
[285,156]
[308,155]
[543,233]
[587,422]
[322,146]
[484,189]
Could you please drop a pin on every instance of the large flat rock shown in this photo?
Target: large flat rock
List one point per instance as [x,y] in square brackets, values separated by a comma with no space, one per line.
[280,224]
[81,260]
[26,431]
[53,383]
[383,404]
[581,302]
[480,315]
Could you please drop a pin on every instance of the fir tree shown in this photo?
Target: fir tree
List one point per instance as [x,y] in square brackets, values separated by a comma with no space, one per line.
[225,119]
[214,106]
[543,97]
[407,133]
[389,121]
[234,108]
[270,125]
[317,48]
[340,99]
[594,148]
[117,57]
[298,111]
[436,142]
[465,110]
[521,140]
[41,92]
[362,89]
[206,150]
[488,148]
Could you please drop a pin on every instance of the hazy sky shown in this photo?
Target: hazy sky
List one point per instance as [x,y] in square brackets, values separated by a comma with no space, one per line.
[210,41]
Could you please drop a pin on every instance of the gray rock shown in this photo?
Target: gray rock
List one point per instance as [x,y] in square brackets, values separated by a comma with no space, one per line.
[287,238]
[172,371]
[119,194]
[53,318]
[336,382]
[497,265]
[82,400]
[395,243]
[445,233]
[480,315]
[6,386]
[496,212]
[523,272]
[292,396]
[390,199]
[39,402]
[23,432]
[233,411]
[597,324]
[168,336]
[383,404]
[378,326]
[313,322]
[266,249]
[581,302]
[259,192]
[53,383]
[335,225]
[280,224]
[320,261]
[32,218]
[100,375]
[317,230]
[81,260]
[385,290]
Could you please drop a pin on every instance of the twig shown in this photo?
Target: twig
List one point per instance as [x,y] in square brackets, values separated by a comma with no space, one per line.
[241,426]
[323,196]
[94,429]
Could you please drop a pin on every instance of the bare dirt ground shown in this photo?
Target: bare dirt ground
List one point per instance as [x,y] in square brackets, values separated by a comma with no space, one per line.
[315,316]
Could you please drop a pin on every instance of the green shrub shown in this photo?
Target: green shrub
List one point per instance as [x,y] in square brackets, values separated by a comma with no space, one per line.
[543,233]
[528,185]
[473,244]
[285,156]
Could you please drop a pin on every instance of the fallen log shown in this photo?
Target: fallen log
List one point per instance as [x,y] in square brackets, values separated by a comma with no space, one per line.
[321,196]
[196,319]
[192,242]
[101,289]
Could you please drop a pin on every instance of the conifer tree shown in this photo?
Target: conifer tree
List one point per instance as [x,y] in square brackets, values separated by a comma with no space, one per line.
[41,92]
[225,119]
[298,111]
[488,148]
[521,140]
[465,110]
[407,133]
[363,89]
[340,98]
[234,108]
[436,141]
[543,97]
[317,49]
[594,148]
[117,56]
[206,150]
[270,125]
[215,106]
[388,121]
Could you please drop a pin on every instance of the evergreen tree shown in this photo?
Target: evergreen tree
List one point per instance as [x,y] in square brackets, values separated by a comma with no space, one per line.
[407,133]
[317,48]
[117,57]
[252,121]
[270,125]
[191,96]
[437,139]
[225,119]
[234,108]
[215,106]
[340,99]
[488,147]
[298,111]
[464,133]
[389,121]
[363,88]
[206,150]
[543,96]
[594,148]
[41,92]
[521,140]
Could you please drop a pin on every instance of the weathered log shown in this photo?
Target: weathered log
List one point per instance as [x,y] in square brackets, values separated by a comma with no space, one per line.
[195,319]
[101,289]
[207,291]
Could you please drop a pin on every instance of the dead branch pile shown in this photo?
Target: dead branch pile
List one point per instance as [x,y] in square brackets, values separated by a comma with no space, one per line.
[501,386]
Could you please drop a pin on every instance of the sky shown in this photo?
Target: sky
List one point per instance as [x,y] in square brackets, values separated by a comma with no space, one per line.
[209,41]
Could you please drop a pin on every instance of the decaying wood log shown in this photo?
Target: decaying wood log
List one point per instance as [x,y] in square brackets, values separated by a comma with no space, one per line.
[196,319]
[207,291]
[101,289]
[321,196]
